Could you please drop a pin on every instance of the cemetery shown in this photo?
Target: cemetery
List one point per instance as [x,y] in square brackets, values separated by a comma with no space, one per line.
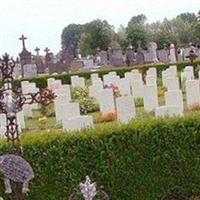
[110,114]
[107,125]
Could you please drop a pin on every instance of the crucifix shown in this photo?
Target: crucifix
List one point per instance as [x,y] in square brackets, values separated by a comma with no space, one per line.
[22,38]
[11,102]
[37,50]
[47,57]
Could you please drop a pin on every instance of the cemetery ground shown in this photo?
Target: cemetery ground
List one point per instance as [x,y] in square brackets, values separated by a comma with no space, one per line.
[148,158]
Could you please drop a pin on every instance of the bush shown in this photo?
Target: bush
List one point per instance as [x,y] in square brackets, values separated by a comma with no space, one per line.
[41,82]
[146,159]
[139,102]
[87,104]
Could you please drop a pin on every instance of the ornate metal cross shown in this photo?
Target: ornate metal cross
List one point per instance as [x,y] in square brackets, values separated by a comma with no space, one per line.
[12,99]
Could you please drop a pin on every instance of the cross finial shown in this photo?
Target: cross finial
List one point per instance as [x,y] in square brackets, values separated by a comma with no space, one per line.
[22,38]
[46,50]
[37,50]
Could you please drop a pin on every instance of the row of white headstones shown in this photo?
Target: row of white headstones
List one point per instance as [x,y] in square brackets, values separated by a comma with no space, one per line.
[131,87]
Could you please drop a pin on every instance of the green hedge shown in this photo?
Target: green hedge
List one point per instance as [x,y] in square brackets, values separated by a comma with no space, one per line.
[144,160]
[41,82]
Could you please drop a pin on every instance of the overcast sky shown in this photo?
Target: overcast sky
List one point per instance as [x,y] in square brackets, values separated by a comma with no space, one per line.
[42,21]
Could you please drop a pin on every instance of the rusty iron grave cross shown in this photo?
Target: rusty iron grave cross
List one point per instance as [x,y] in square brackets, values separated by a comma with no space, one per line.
[12,99]
[14,167]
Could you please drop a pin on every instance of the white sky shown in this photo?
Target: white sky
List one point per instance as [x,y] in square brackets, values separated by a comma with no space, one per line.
[42,21]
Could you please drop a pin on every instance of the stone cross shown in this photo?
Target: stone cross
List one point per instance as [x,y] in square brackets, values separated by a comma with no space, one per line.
[23,41]
[46,50]
[37,50]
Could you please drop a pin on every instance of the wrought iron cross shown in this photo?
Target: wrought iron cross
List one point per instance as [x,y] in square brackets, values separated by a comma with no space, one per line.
[12,99]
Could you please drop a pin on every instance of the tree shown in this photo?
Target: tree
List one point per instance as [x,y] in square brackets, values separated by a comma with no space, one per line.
[70,37]
[137,31]
[97,34]
[188,17]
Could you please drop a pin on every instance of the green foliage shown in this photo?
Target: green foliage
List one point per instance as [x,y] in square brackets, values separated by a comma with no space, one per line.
[70,37]
[97,34]
[136,31]
[87,104]
[145,159]
[139,102]
[41,82]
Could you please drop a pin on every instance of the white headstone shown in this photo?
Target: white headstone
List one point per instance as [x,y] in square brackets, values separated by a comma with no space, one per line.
[172,83]
[174,98]
[125,109]
[137,89]
[106,101]
[150,98]
[78,123]
[151,80]
[168,111]
[193,92]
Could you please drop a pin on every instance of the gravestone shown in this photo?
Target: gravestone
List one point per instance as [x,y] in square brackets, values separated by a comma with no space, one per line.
[124,87]
[94,90]
[130,56]
[106,101]
[30,70]
[78,123]
[163,55]
[152,72]
[151,80]
[152,50]
[140,58]
[168,111]
[137,86]
[175,98]
[77,81]
[192,93]
[125,107]
[65,110]
[150,98]
[172,54]
[117,57]
[17,71]
[172,83]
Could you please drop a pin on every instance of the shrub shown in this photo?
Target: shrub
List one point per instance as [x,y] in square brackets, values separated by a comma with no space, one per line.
[87,104]
[146,159]
[139,102]
[41,81]
[194,107]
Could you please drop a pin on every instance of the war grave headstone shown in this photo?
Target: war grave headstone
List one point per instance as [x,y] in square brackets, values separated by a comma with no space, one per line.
[192,93]
[77,81]
[175,98]
[150,98]
[78,123]
[125,107]
[105,99]
[168,111]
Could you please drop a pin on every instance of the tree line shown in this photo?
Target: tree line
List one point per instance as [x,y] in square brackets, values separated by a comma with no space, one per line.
[99,34]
